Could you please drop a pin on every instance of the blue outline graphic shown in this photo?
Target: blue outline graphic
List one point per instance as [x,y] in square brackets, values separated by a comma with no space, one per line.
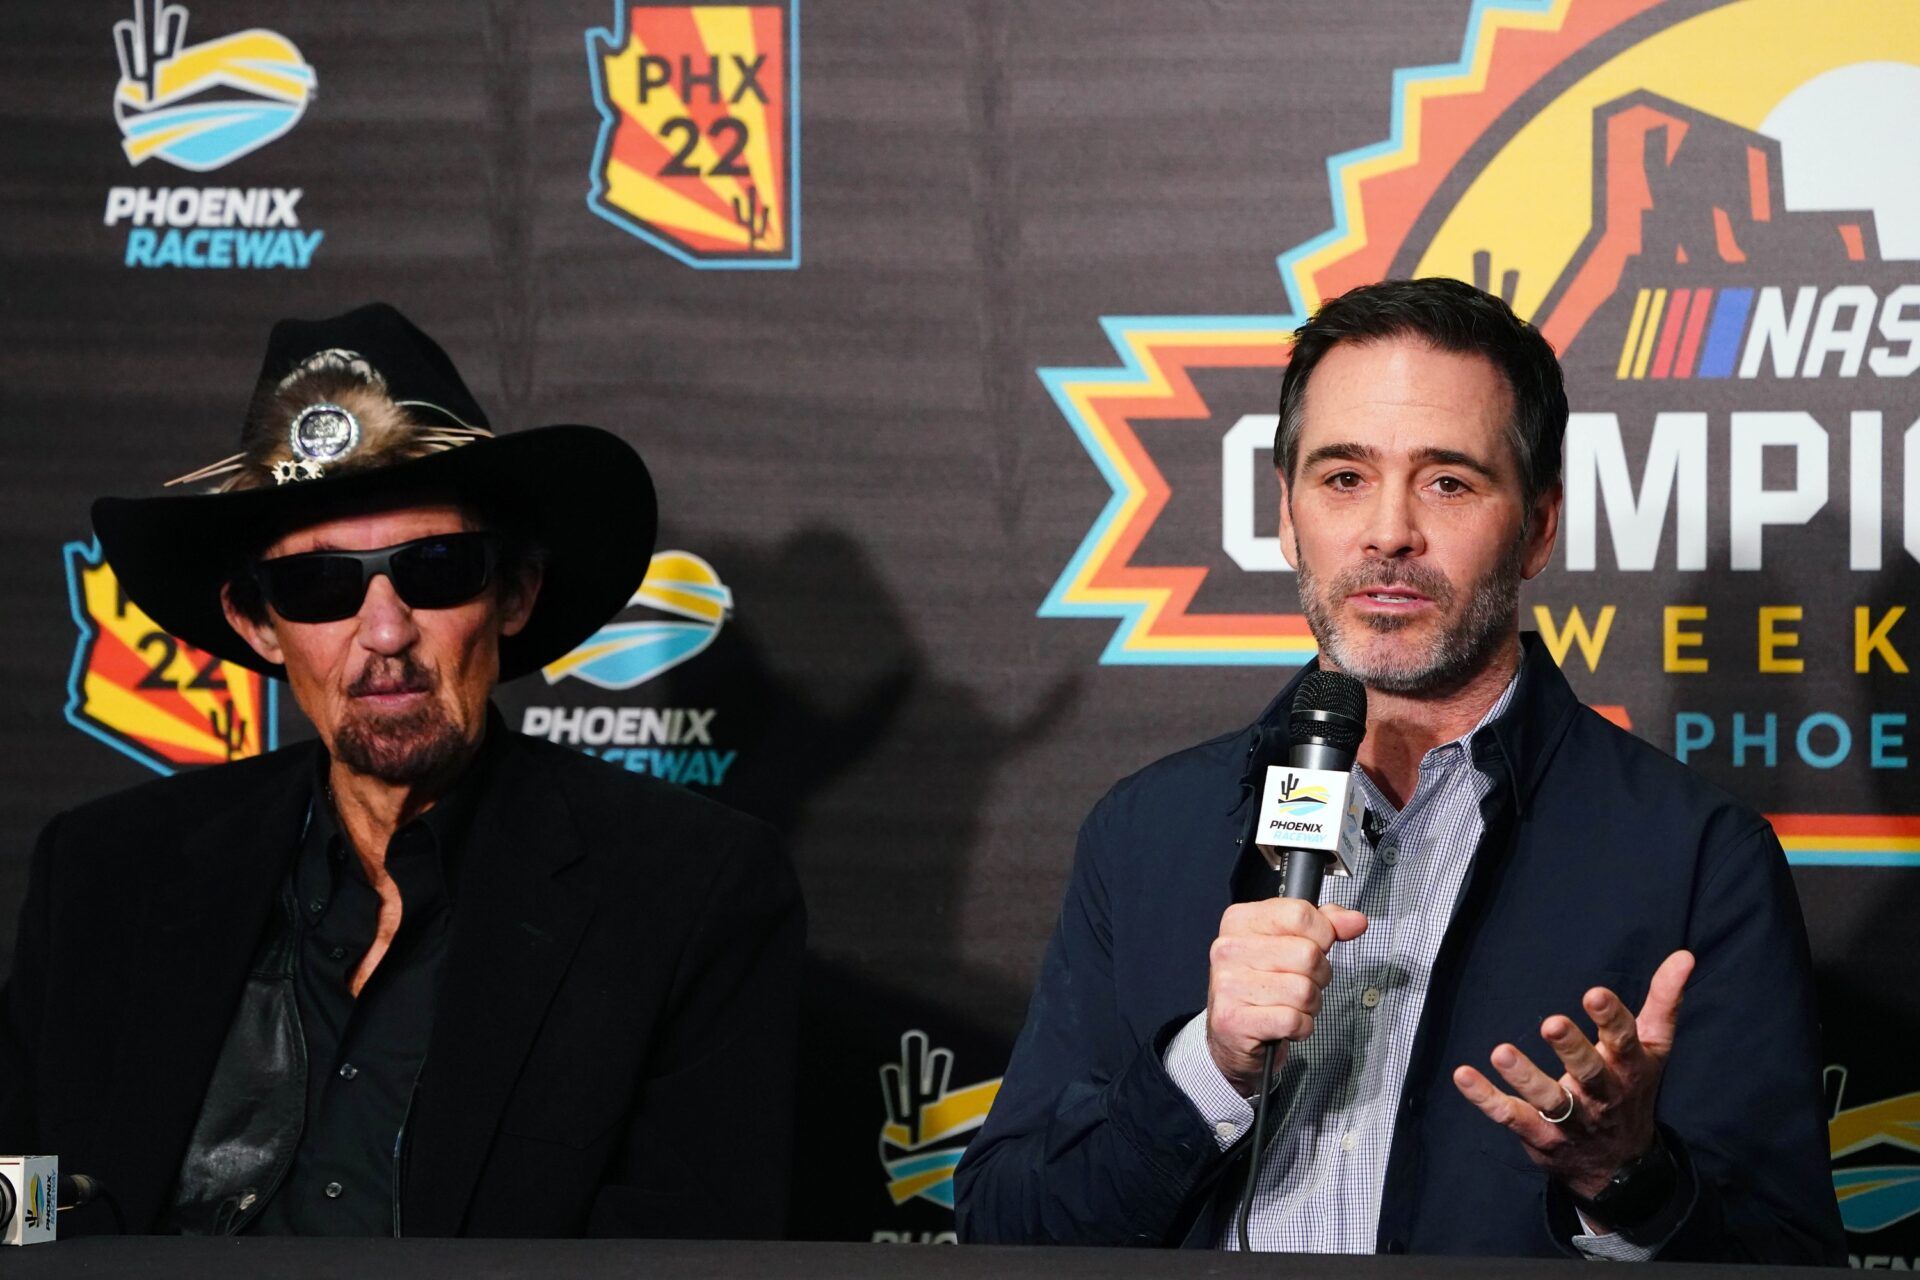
[72,555]
[616,38]
[1132,613]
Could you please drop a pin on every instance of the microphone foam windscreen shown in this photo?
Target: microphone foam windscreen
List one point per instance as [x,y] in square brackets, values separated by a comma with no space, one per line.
[1331,708]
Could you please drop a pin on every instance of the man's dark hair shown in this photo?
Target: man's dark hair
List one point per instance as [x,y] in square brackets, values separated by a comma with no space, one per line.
[1451,316]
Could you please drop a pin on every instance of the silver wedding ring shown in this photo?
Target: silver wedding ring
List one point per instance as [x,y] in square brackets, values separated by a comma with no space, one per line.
[1564,1111]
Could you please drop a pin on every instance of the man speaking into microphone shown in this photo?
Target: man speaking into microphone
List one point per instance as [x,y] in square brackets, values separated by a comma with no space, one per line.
[1558,998]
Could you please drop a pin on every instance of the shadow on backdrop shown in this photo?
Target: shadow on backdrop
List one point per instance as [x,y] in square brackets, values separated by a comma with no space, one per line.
[877,767]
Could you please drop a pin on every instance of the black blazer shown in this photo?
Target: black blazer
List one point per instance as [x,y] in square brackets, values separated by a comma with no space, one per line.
[612,1051]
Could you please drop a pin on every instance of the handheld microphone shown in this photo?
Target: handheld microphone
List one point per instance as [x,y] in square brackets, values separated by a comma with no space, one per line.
[1309,814]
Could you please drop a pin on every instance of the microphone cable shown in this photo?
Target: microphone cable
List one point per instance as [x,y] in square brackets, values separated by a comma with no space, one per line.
[81,1190]
[1258,1160]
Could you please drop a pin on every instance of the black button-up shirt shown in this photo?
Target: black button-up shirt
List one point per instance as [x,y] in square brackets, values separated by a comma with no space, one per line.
[364,1055]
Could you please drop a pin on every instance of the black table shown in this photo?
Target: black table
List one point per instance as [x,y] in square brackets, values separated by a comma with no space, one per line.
[111,1258]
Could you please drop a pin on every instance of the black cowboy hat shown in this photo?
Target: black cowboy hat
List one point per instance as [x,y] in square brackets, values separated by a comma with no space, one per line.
[364,411]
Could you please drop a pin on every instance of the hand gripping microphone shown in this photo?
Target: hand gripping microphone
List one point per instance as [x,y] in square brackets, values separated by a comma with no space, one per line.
[1308,809]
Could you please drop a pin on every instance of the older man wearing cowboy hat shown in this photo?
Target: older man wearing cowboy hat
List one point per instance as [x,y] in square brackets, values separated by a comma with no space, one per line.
[424,975]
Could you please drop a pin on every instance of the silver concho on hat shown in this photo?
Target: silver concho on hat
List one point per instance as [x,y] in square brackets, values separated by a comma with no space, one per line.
[321,433]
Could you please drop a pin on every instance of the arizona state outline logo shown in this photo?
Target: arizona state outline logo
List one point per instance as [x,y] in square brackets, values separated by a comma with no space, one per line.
[149,695]
[699,148]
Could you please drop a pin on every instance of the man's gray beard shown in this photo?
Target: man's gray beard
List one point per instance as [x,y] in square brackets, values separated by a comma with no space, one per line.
[1454,656]
[405,748]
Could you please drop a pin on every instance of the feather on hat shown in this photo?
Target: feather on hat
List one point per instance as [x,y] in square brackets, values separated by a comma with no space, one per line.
[364,410]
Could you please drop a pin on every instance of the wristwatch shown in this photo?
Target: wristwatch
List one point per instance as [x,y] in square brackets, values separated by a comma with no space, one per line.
[1637,1192]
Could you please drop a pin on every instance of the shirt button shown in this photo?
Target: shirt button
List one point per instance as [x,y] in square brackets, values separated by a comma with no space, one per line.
[348,1071]
[1349,1142]
[333,1190]
[1226,1128]
[317,906]
[338,953]
[1370,997]
[1389,854]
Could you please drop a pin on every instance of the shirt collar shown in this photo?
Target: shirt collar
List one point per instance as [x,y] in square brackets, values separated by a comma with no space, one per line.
[1499,708]
[446,824]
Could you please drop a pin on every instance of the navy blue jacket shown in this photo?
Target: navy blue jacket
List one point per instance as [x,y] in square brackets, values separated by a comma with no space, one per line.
[1602,856]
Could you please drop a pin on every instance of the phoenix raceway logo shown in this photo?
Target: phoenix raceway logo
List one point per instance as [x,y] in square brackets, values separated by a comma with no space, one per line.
[150,696]
[1295,799]
[672,618]
[699,147]
[200,107]
[928,1122]
[1876,1163]
[35,1209]
[1724,249]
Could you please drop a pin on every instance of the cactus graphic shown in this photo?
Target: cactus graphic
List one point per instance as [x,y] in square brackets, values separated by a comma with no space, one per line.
[230,728]
[157,32]
[918,1079]
[753,216]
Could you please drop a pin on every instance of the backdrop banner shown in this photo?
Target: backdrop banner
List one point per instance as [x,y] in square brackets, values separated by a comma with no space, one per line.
[953,335]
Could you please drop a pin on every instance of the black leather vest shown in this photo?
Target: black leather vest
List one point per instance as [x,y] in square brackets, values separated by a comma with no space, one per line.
[256,1103]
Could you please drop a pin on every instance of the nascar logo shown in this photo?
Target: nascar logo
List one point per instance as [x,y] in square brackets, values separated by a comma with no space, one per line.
[1805,332]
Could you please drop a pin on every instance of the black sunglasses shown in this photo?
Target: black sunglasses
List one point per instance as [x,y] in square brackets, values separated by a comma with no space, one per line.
[428,573]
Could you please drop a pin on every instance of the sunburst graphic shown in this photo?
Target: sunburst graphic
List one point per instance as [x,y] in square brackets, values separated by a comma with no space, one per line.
[1379,193]
[1548,110]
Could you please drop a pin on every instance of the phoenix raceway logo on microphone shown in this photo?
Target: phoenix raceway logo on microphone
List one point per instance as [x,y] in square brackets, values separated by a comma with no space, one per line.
[699,145]
[674,616]
[35,1208]
[148,695]
[200,107]
[928,1125]
[1310,809]
[1708,208]
[1298,796]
